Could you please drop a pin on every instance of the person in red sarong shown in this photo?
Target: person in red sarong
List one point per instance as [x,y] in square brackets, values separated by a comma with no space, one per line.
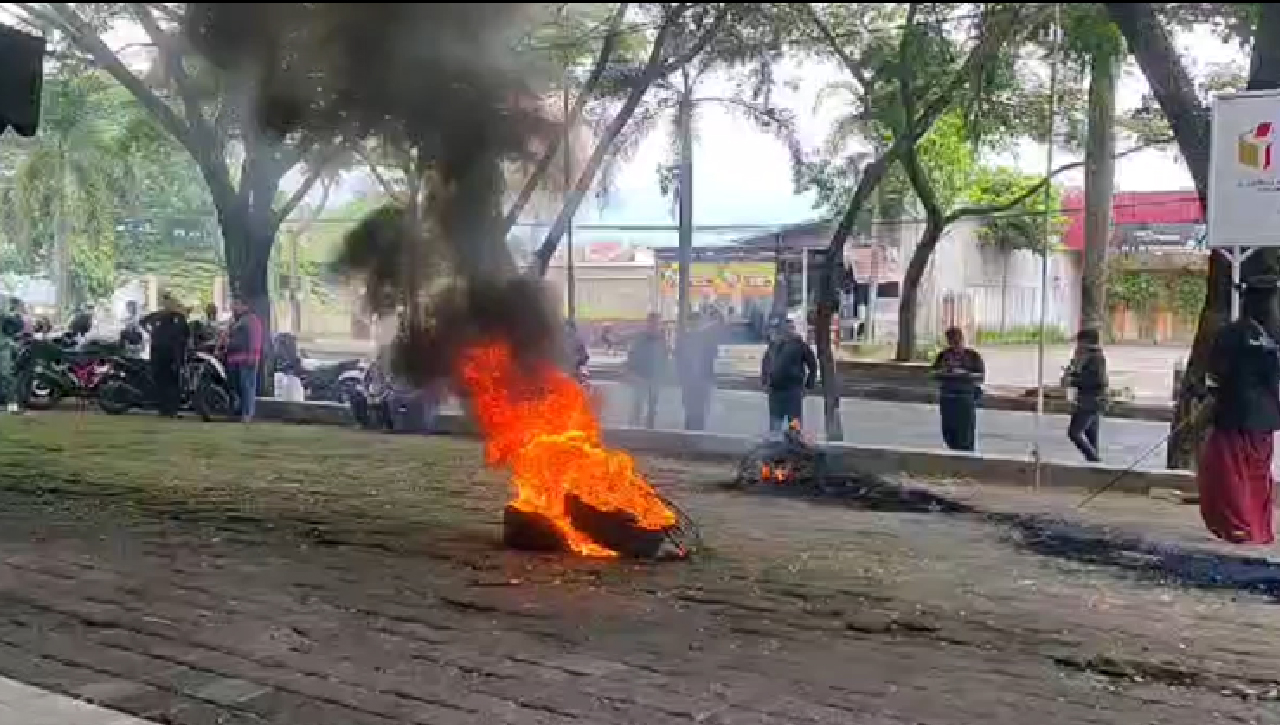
[1234,473]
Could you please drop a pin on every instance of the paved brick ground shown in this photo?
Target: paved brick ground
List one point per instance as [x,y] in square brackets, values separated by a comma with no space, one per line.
[287,603]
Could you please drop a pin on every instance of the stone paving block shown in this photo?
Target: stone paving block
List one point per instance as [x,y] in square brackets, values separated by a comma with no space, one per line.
[229,691]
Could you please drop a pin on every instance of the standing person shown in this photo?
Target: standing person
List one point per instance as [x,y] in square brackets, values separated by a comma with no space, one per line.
[1087,373]
[10,330]
[244,353]
[168,330]
[960,372]
[788,369]
[698,370]
[646,362]
[1234,472]
[575,352]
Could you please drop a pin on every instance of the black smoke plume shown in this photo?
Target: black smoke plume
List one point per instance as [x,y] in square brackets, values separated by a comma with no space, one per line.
[444,80]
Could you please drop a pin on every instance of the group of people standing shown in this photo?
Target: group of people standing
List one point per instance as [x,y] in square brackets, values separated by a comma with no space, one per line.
[172,334]
[788,369]
[649,360]
[961,371]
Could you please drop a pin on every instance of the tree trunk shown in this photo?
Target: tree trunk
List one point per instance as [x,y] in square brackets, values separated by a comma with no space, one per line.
[829,293]
[1004,289]
[1153,47]
[908,302]
[1099,182]
[684,188]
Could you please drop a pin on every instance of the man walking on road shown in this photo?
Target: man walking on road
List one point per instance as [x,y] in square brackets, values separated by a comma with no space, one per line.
[788,369]
[960,373]
[646,363]
[1087,373]
[244,353]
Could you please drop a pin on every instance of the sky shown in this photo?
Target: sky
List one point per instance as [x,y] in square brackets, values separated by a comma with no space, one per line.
[742,176]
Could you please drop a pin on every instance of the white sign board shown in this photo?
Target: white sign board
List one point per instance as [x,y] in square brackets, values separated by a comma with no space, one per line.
[1244,170]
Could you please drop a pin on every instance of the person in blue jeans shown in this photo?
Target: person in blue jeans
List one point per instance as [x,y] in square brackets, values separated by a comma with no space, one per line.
[244,352]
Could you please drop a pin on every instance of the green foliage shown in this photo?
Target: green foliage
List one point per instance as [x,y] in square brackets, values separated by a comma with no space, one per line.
[1022,226]
[1136,289]
[1186,294]
[1020,335]
[67,181]
[1144,291]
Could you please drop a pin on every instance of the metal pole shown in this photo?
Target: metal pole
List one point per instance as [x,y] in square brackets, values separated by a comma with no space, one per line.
[1236,261]
[804,292]
[571,292]
[1056,42]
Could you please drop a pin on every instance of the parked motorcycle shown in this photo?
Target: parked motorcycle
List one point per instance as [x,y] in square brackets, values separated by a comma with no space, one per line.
[128,385]
[50,370]
[212,393]
[330,381]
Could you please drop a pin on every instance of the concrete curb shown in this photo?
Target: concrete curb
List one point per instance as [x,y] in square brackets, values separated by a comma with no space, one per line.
[1004,470]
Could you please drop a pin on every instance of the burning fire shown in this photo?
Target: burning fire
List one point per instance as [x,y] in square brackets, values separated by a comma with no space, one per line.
[539,424]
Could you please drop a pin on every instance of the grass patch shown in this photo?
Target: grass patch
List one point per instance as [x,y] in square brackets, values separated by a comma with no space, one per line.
[319,479]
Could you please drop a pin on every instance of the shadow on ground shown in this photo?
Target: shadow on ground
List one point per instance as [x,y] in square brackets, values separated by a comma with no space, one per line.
[1160,562]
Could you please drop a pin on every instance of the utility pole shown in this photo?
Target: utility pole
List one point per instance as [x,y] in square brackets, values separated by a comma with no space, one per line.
[1054,52]
[571,286]
[684,191]
[295,302]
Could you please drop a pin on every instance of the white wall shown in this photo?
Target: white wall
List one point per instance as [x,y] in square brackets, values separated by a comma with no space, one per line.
[964,279]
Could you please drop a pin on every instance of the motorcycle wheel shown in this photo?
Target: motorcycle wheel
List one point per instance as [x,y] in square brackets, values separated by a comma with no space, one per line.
[346,392]
[212,401]
[115,398]
[42,394]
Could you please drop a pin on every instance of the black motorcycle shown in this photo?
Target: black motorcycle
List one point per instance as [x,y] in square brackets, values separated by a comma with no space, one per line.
[50,370]
[128,385]
[335,382]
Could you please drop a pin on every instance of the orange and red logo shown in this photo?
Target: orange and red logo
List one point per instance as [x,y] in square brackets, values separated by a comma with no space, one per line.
[1254,147]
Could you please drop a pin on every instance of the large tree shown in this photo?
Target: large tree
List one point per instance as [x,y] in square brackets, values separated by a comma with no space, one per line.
[1148,29]
[242,168]
[926,92]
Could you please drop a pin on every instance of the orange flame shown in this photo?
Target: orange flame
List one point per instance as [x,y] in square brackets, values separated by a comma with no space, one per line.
[538,423]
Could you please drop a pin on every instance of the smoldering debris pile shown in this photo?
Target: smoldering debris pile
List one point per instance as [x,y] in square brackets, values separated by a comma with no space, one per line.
[444,83]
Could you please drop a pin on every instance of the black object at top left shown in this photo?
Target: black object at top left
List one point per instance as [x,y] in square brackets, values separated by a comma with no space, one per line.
[21,80]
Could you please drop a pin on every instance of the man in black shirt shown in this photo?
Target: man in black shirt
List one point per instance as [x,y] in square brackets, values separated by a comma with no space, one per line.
[960,372]
[788,369]
[169,335]
[1087,373]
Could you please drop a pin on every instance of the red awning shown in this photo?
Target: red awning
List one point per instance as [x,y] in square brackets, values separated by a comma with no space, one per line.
[1132,207]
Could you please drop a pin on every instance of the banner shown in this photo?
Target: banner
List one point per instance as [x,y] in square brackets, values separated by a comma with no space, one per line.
[1244,170]
[722,279]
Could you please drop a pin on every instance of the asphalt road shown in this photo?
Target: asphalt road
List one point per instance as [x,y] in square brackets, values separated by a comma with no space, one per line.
[879,423]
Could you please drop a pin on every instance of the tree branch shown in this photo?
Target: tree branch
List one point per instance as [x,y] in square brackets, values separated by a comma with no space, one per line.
[856,70]
[1157,55]
[374,168]
[1030,191]
[308,183]
[693,51]
[607,47]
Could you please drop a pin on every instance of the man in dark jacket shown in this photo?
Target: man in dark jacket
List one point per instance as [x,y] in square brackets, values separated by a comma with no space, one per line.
[960,372]
[698,353]
[646,363]
[169,335]
[788,369]
[1087,374]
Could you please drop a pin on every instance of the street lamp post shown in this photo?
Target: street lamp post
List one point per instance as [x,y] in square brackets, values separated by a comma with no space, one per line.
[1055,41]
